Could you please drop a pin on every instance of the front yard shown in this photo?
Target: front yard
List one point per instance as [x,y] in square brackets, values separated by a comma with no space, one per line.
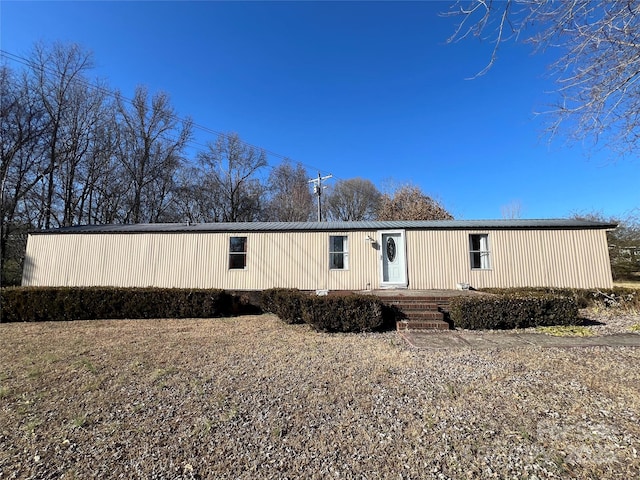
[251,397]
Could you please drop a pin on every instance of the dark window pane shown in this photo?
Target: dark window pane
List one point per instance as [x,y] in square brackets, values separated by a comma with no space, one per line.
[336,244]
[475,242]
[238,244]
[238,260]
[475,260]
[336,260]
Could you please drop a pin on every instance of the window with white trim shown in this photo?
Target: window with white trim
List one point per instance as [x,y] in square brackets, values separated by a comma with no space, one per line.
[237,253]
[479,251]
[338,252]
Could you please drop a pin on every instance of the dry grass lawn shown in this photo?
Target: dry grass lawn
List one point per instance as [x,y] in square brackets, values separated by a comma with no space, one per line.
[251,398]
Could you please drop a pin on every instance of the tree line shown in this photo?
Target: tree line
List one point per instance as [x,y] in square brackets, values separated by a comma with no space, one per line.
[74,151]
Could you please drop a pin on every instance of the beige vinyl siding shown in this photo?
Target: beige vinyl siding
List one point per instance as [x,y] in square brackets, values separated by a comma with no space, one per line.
[300,259]
[557,258]
[198,260]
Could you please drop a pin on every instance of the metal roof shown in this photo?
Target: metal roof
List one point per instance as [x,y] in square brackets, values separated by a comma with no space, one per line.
[545,224]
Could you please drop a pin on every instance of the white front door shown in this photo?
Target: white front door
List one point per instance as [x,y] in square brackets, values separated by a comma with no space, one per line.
[393,257]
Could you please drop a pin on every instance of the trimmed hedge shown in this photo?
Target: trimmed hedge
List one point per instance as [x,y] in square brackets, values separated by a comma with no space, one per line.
[39,304]
[286,303]
[512,311]
[609,297]
[352,313]
[349,313]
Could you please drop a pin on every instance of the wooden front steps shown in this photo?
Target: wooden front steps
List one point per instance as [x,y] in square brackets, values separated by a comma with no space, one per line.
[419,313]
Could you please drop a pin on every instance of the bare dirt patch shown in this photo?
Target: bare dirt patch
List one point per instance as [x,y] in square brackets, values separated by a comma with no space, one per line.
[251,397]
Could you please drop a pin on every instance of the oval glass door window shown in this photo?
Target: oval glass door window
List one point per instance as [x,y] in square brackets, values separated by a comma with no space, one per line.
[391,249]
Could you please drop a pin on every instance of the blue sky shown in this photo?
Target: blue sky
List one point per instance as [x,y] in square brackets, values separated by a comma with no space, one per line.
[348,88]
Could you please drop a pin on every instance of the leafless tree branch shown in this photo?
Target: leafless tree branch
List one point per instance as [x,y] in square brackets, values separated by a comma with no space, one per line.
[598,63]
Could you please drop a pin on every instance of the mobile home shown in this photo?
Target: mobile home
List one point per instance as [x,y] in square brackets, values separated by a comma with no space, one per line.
[364,255]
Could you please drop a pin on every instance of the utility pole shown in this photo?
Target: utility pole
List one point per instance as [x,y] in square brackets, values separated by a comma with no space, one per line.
[317,189]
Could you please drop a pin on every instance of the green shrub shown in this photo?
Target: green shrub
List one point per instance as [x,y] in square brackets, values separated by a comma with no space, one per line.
[512,311]
[267,300]
[286,303]
[351,313]
[37,304]
[584,297]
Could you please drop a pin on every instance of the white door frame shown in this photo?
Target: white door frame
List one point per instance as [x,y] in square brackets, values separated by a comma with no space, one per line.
[404,282]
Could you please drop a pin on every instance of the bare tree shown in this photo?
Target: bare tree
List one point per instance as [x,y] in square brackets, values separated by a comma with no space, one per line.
[58,78]
[21,126]
[74,118]
[102,175]
[409,203]
[290,198]
[597,71]
[87,115]
[229,168]
[353,199]
[150,148]
[191,202]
